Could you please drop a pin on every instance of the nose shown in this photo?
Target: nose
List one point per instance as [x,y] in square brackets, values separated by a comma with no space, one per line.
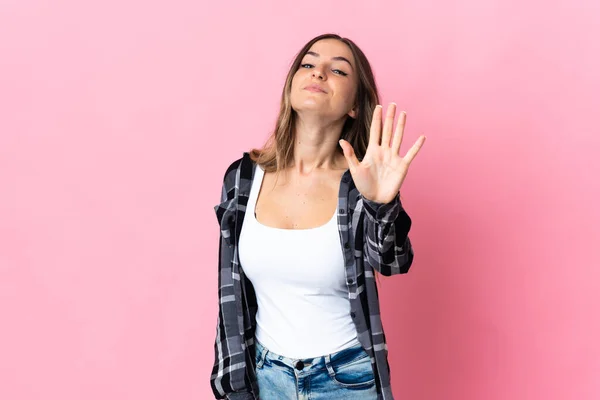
[318,73]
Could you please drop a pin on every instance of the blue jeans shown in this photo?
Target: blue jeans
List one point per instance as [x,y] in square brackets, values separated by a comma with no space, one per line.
[345,375]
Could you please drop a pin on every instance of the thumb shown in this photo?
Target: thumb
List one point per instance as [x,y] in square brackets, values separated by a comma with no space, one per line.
[349,154]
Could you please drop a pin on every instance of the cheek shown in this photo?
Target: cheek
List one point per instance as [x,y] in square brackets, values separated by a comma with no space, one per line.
[353,89]
[347,92]
[295,92]
[296,79]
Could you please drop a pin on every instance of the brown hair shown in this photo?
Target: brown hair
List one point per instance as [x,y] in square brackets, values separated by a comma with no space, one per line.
[276,155]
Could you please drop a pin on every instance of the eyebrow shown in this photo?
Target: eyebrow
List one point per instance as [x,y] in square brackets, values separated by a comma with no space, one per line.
[338,58]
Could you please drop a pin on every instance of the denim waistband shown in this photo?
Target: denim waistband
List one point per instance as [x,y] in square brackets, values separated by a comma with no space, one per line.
[324,360]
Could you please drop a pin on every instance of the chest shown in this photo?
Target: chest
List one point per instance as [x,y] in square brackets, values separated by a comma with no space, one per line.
[292,203]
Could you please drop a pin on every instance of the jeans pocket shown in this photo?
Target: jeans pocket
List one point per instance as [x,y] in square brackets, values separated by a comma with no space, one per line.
[256,361]
[356,374]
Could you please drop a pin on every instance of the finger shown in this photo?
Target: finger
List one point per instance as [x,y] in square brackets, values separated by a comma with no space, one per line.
[414,150]
[397,141]
[349,154]
[375,134]
[388,125]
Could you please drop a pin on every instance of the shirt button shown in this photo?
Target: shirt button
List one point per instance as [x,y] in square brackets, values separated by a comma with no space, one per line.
[346,245]
[300,365]
[350,281]
[342,211]
[353,314]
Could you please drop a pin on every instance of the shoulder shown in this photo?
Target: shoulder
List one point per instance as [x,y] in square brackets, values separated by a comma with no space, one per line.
[240,164]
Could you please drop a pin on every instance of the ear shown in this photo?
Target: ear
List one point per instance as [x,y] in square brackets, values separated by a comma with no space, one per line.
[352,113]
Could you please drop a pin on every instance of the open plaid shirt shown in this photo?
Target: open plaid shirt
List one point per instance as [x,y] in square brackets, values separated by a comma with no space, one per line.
[373,237]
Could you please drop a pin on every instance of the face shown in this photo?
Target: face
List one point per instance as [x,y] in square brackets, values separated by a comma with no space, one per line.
[326,81]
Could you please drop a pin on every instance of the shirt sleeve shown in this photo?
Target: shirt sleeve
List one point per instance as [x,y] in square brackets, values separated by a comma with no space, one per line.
[229,378]
[387,246]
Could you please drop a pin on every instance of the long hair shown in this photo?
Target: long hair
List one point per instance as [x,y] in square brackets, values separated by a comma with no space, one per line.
[277,153]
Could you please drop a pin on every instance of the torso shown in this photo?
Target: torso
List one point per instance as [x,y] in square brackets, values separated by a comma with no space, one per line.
[291,201]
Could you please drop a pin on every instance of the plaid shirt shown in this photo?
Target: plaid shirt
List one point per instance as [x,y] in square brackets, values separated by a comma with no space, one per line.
[373,237]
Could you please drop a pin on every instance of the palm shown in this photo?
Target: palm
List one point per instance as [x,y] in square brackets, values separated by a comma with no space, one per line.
[379,176]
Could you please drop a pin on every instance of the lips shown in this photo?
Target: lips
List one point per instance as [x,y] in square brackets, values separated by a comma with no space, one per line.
[315,88]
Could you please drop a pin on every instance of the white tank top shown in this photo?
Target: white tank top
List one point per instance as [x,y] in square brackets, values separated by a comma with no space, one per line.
[300,284]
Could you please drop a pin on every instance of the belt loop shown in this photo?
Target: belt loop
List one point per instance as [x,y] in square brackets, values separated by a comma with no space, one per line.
[328,365]
[263,355]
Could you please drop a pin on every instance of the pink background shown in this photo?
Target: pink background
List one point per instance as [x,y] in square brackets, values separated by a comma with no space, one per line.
[118,119]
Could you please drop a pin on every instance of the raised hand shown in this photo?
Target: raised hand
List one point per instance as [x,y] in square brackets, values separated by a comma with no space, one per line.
[379,176]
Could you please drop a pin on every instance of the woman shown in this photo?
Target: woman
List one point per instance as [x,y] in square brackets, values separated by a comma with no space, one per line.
[306,223]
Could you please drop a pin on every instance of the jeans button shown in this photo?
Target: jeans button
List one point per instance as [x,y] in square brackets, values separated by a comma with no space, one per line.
[300,365]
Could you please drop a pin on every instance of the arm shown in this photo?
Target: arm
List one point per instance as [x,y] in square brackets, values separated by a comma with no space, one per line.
[378,178]
[228,378]
[387,246]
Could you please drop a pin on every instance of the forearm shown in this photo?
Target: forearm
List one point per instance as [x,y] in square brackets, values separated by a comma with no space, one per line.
[387,247]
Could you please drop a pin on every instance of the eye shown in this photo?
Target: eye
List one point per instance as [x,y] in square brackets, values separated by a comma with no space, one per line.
[306,65]
[339,72]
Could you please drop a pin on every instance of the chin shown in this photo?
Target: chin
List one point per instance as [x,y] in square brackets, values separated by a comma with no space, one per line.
[310,109]
[307,105]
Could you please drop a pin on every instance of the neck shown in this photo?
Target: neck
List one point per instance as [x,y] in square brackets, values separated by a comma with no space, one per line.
[316,146]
